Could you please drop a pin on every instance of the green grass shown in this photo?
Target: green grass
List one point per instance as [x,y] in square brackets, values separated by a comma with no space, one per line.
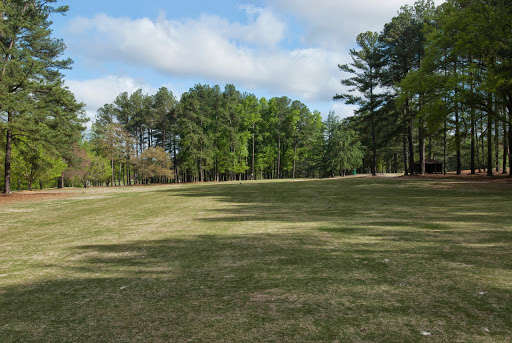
[353,260]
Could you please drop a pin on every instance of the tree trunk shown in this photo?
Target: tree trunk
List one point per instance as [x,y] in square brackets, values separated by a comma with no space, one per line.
[505,147]
[489,140]
[430,147]
[253,176]
[374,148]
[294,157]
[510,141]
[457,140]
[444,145]
[473,169]
[422,144]
[482,163]
[457,127]
[477,149]
[128,174]
[472,137]
[141,139]
[411,148]
[176,171]
[510,138]
[112,165]
[404,143]
[278,155]
[8,151]
[497,143]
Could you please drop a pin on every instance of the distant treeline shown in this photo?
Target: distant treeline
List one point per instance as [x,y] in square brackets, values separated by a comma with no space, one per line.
[218,135]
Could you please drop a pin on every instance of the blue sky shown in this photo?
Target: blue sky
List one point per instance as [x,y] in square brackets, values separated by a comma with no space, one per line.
[266,47]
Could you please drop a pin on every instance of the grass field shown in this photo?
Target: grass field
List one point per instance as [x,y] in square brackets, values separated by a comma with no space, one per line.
[346,260]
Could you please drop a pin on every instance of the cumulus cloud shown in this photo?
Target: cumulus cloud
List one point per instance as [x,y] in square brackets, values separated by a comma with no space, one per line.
[335,24]
[264,29]
[342,110]
[98,92]
[95,93]
[212,48]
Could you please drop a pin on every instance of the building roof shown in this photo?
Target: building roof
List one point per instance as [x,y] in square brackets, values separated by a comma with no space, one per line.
[429,161]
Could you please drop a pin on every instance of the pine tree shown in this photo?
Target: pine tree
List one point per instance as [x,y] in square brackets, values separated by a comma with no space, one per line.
[33,101]
[366,67]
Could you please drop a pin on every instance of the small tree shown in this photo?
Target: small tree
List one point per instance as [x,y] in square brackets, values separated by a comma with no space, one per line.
[88,166]
[343,150]
[155,163]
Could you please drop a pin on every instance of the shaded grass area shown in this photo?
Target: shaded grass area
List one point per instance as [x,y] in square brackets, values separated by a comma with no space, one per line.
[356,260]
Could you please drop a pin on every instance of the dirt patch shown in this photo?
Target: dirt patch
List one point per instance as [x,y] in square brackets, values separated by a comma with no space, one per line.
[32,196]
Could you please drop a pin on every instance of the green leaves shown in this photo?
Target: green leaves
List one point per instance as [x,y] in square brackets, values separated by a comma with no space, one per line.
[342,150]
[34,103]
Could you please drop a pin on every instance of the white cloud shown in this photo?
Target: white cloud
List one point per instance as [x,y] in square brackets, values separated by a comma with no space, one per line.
[335,24]
[98,92]
[265,29]
[342,110]
[214,49]
[95,93]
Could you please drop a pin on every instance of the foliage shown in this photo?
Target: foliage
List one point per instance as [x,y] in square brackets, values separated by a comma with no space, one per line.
[211,134]
[90,168]
[34,102]
[343,151]
[366,66]
[155,163]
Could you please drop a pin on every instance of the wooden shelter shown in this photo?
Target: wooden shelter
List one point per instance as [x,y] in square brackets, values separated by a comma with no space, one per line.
[431,167]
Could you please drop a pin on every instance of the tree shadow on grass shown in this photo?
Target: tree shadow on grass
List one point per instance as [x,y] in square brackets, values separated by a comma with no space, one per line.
[356,261]
[338,201]
[267,287]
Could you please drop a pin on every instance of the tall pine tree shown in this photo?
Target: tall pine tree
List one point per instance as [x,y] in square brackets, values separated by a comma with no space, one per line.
[33,101]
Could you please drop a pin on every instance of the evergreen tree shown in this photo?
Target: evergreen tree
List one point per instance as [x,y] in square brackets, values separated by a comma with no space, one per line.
[366,67]
[33,101]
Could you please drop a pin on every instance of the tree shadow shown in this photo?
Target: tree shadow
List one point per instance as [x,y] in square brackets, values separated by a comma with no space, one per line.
[353,261]
[392,202]
[265,287]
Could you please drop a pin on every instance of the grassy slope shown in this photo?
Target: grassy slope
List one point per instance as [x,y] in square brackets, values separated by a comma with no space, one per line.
[356,260]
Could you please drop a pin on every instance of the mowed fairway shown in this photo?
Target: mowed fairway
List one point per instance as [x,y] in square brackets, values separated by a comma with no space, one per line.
[346,260]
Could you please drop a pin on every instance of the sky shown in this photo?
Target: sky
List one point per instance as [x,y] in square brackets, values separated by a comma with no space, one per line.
[265,47]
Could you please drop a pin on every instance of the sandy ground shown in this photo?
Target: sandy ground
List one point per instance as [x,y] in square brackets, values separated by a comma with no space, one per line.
[33,196]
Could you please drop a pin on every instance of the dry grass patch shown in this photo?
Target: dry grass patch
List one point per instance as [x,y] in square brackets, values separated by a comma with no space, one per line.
[347,260]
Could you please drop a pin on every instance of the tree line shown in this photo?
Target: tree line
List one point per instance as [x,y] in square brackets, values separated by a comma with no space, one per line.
[214,134]
[435,83]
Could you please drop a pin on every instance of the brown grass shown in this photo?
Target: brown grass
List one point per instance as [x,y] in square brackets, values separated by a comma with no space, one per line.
[32,196]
